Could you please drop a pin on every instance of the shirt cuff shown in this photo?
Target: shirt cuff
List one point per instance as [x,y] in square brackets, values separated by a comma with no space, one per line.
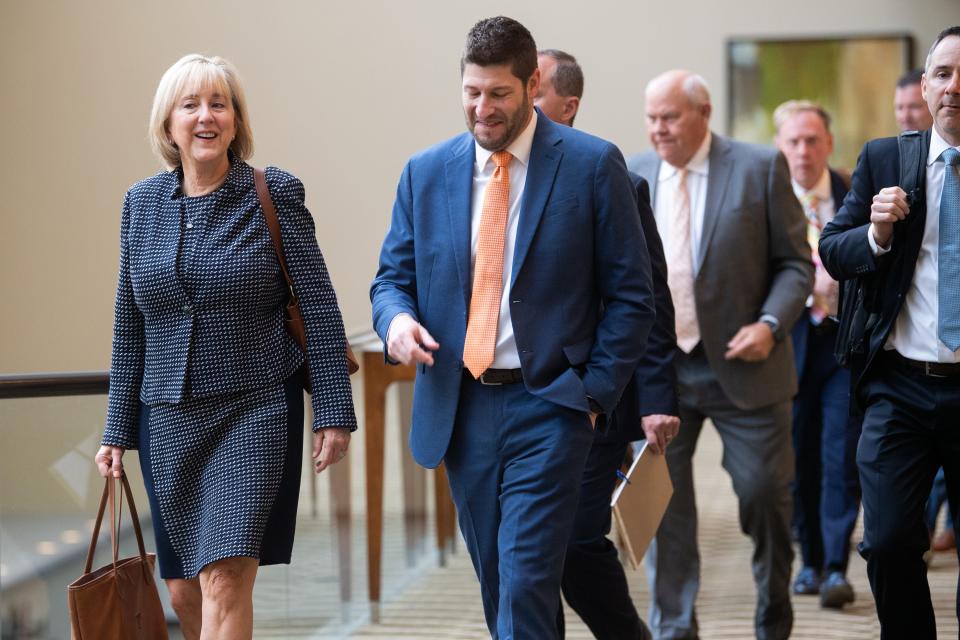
[875,248]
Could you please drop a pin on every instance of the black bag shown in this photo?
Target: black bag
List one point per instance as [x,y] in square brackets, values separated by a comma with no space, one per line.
[858,311]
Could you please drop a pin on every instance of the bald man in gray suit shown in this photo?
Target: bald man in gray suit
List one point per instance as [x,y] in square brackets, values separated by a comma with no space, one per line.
[739,272]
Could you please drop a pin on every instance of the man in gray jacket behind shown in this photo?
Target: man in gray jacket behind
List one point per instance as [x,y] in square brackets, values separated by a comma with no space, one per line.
[740,272]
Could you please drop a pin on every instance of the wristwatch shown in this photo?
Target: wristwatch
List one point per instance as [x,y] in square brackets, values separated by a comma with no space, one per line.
[774,324]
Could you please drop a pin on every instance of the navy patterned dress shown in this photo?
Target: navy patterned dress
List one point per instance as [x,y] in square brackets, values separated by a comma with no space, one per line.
[205,381]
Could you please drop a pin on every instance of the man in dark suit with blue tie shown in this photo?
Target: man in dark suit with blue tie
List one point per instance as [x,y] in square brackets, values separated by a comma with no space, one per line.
[826,493]
[905,249]
[594,583]
[510,275]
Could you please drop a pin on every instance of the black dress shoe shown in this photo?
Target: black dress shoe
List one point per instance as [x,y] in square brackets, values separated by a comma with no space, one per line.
[807,582]
[835,591]
[645,633]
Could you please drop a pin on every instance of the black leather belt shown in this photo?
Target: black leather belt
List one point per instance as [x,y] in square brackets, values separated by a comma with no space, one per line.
[932,369]
[500,376]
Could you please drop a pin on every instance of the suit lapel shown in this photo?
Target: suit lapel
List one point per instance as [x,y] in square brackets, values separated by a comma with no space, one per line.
[717,180]
[459,187]
[838,190]
[651,170]
[544,161]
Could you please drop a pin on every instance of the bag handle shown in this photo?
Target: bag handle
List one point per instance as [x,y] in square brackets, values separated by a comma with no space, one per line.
[109,495]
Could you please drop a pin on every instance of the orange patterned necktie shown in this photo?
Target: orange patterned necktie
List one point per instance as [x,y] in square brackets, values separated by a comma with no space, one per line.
[680,274]
[481,340]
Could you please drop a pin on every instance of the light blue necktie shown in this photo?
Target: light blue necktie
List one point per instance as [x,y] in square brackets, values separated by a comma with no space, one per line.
[948,276]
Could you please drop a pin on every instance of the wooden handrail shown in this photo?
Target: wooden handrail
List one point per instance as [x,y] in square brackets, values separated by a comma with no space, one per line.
[39,385]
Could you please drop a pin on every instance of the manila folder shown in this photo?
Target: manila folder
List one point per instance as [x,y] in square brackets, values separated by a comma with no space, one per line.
[638,505]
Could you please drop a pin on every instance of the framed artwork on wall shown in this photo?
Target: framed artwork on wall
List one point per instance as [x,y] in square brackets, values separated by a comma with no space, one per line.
[852,77]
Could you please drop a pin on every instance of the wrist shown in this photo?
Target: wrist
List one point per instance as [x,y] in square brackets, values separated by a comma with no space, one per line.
[400,317]
[772,323]
[882,240]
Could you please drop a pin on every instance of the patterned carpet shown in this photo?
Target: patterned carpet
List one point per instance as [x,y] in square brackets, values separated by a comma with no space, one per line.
[428,602]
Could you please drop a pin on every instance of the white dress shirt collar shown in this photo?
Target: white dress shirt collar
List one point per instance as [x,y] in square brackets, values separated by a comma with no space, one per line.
[937,146]
[821,189]
[519,148]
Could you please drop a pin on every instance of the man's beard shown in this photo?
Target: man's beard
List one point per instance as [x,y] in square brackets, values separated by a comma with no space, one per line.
[514,125]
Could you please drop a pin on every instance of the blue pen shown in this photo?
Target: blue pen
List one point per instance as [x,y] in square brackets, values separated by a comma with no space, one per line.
[622,476]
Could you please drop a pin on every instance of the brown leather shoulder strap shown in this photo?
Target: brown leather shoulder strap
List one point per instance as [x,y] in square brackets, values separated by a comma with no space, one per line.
[270,213]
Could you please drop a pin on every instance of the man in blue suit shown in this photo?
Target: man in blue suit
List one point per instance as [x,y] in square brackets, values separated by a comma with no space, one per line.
[594,583]
[826,493]
[546,217]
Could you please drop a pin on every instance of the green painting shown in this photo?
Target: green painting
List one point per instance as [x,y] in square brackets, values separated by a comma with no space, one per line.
[853,78]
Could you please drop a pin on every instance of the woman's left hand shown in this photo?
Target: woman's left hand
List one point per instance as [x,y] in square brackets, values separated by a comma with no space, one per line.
[329,446]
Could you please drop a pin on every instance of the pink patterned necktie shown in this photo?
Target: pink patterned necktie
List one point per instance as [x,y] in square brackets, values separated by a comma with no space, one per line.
[811,207]
[680,271]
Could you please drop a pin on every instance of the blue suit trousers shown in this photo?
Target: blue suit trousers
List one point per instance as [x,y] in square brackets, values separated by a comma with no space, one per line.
[515,464]
[826,490]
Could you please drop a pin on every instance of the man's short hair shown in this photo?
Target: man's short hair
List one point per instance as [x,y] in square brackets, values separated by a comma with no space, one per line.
[694,87]
[568,76]
[501,40]
[697,90]
[946,33]
[793,107]
[910,78]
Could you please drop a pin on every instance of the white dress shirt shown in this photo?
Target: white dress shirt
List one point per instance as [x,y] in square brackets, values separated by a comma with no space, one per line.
[667,182]
[506,356]
[914,334]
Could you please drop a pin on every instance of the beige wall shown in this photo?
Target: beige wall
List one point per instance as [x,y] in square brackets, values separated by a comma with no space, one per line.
[341,94]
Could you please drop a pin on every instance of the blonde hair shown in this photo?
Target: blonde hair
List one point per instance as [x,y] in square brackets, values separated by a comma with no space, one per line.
[192,72]
[793,107]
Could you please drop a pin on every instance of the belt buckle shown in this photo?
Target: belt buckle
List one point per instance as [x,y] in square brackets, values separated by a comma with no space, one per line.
[928,371]
[488,384]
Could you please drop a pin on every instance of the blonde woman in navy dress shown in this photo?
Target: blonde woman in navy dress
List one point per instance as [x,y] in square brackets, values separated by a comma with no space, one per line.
[205,382]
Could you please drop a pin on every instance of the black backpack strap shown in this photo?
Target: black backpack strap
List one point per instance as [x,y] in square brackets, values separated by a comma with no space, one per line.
[912,164]
[857,307]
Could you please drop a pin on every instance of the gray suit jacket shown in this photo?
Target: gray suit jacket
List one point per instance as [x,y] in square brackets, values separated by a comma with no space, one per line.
[753,259]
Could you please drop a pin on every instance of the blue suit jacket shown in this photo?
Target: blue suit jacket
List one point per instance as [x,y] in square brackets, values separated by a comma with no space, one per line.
[580,292]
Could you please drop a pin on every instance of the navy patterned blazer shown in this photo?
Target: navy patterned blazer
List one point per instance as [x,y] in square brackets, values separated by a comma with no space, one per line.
[199,308]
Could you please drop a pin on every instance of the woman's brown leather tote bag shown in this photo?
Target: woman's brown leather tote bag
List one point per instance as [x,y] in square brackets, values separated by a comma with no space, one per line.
[118,601]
